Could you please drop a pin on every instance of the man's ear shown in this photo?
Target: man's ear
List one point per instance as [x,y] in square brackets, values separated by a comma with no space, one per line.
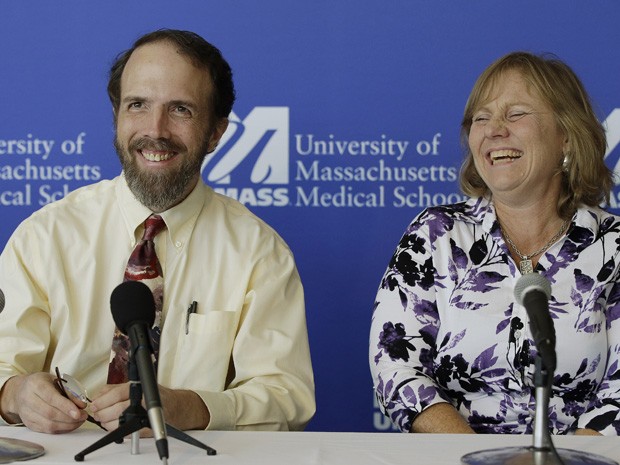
[218,131]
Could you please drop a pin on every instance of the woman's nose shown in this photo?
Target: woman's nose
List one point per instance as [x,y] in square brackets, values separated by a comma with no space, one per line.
[496,127]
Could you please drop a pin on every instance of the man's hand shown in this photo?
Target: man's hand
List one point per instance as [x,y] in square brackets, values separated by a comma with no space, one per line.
[108,405]
[182,409]
[35,401]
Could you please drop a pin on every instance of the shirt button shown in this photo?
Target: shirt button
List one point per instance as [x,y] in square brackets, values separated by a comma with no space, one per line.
[178,244]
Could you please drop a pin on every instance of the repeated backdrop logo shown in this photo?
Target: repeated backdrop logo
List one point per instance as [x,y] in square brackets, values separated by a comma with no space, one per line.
[261,164]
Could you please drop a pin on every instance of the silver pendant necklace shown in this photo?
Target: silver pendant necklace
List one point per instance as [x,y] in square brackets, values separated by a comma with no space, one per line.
[525,264]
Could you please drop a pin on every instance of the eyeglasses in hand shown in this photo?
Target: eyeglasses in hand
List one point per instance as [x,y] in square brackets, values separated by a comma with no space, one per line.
[72,388]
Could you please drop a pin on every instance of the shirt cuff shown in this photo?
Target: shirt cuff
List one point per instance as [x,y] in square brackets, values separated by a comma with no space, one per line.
[221,410]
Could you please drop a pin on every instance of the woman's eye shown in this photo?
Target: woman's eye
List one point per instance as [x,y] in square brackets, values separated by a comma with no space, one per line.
[516,115]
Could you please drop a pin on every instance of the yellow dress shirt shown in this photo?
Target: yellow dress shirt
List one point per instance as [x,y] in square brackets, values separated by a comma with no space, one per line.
[244,351]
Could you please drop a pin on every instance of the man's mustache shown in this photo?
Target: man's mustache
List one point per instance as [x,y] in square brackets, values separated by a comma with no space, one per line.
[159,145]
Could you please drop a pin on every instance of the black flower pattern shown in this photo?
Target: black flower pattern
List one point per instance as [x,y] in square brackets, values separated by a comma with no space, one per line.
[448,329]
[394,340]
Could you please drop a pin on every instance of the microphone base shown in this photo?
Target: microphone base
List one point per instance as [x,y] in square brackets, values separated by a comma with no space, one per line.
[531,456]
[133,426]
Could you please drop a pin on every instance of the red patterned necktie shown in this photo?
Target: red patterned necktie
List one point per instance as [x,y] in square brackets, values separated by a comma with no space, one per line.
[144,266]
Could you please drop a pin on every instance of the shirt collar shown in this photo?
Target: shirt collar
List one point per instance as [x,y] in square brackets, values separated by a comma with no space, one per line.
[180,219]
[482,211]
[478,210]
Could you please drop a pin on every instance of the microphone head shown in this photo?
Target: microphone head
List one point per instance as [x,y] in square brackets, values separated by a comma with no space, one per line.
[530,282]
[2,302]
[132,302]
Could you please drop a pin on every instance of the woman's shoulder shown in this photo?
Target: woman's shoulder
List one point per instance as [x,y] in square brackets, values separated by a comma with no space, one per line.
[596,219]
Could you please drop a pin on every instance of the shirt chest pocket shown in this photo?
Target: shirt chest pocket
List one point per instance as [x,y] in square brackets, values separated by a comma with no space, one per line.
[204,353]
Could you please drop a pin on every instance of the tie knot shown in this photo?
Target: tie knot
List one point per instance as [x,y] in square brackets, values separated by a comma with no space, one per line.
[153,225]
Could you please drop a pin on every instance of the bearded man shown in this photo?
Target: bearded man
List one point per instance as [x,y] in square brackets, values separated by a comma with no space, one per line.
[230,331]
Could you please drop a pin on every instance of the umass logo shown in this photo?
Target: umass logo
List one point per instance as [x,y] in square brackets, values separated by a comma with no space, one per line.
[252,158]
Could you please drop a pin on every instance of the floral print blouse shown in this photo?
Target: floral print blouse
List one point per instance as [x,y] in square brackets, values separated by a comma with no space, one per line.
[446,326]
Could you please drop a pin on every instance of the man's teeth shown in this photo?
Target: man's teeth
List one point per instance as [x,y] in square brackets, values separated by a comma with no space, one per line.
[157,156]
[507,155]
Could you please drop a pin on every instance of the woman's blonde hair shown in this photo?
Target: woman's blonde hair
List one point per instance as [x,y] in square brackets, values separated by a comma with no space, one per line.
[585,177]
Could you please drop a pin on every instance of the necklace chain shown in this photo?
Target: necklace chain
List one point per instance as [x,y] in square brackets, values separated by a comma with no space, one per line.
[526,262]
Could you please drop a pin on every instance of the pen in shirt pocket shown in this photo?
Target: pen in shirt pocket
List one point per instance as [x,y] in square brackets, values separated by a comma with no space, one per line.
[191,309]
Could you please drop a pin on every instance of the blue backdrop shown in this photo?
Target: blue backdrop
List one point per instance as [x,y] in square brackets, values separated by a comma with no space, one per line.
[346,125]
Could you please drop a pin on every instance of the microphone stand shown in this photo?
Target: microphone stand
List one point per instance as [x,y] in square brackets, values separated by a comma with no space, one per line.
[134,418]
[542,452]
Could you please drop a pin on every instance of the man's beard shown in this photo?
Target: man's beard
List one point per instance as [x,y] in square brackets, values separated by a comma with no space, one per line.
[161,189]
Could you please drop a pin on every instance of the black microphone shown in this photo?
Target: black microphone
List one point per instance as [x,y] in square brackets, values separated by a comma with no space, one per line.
[533,292]
[2,302]
[133,310]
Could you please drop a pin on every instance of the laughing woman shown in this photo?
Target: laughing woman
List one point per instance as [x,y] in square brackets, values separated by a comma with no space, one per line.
[450,349]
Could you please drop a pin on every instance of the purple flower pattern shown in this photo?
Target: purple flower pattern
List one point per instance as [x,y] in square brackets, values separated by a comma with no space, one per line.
[446,328]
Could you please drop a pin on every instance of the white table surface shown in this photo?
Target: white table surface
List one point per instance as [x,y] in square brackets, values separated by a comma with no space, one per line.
[298,448]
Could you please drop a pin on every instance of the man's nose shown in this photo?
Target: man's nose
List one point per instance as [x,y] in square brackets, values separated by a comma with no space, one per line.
[158,124]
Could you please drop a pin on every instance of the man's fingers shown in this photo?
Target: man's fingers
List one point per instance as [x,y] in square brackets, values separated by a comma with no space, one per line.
[42,408]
